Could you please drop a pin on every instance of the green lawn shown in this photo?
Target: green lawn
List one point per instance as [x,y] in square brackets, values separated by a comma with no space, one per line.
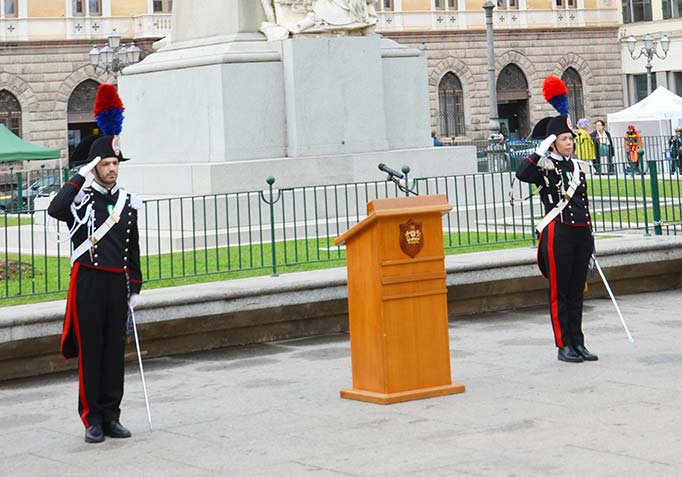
[631,187]
[635,216]
[46,278]
[11,221]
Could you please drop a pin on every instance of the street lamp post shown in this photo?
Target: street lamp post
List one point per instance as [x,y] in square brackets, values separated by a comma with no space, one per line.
[492,87]
[649,50]
[114,56]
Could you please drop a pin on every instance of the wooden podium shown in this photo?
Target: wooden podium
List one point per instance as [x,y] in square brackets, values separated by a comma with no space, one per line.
[397,302]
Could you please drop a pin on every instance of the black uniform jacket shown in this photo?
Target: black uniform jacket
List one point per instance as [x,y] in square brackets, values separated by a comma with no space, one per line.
[577,212]
[117,252]
[119,249]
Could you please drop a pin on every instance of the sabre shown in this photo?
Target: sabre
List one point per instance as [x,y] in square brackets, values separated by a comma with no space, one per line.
[613,298]
[139,361]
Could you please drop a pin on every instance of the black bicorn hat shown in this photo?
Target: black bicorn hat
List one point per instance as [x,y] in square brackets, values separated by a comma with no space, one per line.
[79,155]
[559,125]
[97,145]
[540,129]
[106,146]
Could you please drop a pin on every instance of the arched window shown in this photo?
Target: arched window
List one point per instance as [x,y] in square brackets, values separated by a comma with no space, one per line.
[512,80]
[10,112]
[575,94]
[451,106]
[82,101]
[512,102]
[81,122]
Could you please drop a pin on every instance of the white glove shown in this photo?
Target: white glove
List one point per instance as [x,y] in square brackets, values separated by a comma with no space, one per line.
[546,163]
[543,147]
[132,300]
[87,168]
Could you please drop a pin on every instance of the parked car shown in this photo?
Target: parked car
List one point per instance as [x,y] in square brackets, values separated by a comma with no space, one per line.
[41,187]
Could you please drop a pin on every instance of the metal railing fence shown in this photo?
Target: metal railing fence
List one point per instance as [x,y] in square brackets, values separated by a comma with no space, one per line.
[18,190]
[496,155]
[267,231]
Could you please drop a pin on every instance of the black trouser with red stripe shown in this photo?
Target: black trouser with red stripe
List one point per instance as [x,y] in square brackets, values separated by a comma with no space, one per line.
[102,309]
[566,252]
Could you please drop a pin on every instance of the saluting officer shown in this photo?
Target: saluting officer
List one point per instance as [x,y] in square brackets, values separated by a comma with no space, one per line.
[105,281]
[566,242]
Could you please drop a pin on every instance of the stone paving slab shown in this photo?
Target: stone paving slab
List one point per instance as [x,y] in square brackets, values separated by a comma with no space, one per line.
[274,409]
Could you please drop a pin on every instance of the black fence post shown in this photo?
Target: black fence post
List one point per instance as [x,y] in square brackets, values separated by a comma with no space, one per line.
[271,203]
[655,199]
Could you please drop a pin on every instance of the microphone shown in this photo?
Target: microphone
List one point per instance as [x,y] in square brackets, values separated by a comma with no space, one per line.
[391,172]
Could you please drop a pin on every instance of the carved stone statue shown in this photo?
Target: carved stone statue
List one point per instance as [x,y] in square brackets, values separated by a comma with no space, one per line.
[269,27]
[317,16]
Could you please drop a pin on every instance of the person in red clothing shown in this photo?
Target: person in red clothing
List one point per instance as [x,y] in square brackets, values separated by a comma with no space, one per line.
[633,143]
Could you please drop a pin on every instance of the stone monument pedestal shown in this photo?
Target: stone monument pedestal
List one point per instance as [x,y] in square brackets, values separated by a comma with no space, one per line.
[221,113]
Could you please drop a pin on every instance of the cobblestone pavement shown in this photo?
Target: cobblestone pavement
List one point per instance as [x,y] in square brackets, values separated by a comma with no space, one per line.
[274,409]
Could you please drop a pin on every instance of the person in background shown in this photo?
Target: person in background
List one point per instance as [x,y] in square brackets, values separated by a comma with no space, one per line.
[675,144]
[434,135]
[633,142]
[584,147]
[504,131]
[603,147]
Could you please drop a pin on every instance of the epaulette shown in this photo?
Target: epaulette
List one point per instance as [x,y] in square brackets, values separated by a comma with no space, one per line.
[136,201]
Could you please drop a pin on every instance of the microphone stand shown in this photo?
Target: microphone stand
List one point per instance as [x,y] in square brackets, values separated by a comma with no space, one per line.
[403,188]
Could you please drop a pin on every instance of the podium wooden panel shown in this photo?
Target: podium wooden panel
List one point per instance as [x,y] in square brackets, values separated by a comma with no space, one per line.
[397,302]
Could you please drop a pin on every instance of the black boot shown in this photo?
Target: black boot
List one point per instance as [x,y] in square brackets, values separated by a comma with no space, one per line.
[115,429]
[585,353]
[94,434]
[570,355]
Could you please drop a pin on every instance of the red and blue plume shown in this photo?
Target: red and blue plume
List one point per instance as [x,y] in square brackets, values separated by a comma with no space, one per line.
[556,93]
[109,110]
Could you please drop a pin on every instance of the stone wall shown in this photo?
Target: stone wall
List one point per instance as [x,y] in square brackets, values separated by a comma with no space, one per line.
[593,52]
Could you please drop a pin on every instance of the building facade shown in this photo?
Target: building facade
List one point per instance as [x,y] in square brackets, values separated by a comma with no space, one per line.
[658,18]
[47,83]
[577,40]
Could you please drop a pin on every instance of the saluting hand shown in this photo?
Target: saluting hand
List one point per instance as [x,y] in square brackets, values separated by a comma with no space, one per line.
[87,168]
[543,147]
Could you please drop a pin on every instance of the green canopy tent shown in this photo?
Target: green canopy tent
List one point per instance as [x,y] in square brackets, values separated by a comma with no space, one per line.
[13,148]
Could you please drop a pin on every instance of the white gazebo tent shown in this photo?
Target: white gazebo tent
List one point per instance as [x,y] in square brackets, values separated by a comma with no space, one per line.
[656,115]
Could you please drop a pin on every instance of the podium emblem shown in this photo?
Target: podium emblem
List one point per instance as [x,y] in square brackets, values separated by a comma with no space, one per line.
[411,238]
